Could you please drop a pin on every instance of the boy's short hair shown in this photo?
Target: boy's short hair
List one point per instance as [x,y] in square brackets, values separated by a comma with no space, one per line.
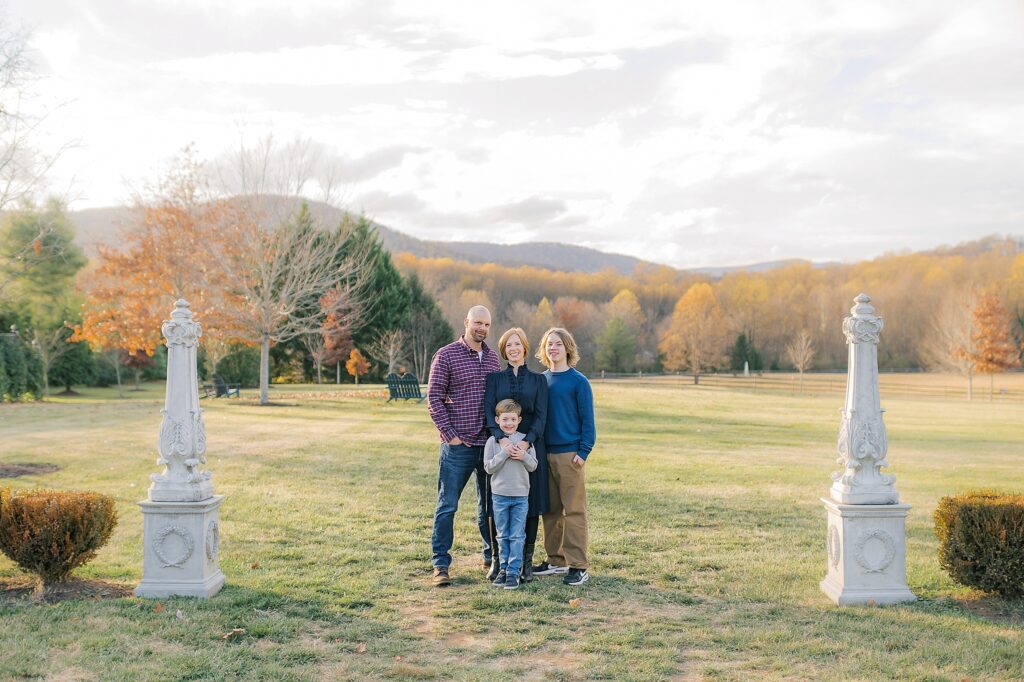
[507,405]
[572,352]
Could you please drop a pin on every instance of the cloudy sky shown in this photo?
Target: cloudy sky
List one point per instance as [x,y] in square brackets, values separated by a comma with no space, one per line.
[689,133]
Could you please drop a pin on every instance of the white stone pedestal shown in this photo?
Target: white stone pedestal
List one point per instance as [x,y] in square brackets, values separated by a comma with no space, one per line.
[181,547]
[867,559]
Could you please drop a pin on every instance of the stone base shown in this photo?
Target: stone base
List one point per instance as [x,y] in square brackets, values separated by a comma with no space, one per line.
[867,557]
[181,549]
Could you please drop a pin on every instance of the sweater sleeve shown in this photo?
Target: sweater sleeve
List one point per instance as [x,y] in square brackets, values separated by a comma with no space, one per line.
[437,393]
[490,402]
[540,411]
[494,456]
[530,459]
[585,405]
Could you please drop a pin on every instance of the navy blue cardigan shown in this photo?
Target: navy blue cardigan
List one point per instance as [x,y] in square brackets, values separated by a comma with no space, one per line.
[530,390]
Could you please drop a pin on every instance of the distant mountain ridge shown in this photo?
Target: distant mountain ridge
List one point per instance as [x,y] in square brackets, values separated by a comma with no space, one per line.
[96,227]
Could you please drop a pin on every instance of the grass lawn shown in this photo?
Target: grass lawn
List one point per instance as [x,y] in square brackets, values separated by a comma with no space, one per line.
[707,537]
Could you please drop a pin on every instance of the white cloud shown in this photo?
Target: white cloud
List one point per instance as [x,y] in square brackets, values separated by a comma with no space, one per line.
[696,134]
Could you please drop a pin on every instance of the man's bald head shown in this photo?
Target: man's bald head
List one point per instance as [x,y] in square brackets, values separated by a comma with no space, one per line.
[478,323]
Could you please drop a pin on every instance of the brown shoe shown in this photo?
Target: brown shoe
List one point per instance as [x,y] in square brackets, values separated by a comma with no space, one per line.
[441,578]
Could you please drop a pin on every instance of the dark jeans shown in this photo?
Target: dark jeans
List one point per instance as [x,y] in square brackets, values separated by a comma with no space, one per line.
[457,462]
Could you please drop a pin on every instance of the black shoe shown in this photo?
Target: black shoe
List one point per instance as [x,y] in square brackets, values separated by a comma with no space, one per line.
[495,566]
[527,564]
[544,568]
[512,582]
[576,576]
[499,580]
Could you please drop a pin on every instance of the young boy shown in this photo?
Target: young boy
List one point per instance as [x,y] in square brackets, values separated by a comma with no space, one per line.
[510,490]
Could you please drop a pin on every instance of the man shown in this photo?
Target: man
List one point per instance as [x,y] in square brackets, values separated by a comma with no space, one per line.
[455,397]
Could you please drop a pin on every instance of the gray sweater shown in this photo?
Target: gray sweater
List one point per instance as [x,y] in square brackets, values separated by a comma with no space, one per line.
[509,477]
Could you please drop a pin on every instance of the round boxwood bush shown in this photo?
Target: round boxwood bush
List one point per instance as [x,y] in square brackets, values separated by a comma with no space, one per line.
[981,540]
[52,532]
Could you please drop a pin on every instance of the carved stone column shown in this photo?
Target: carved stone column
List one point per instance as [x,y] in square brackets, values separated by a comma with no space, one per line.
[181,528]
[866,523]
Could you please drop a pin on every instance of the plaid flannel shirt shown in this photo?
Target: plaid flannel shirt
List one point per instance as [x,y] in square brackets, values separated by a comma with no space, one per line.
[455,396]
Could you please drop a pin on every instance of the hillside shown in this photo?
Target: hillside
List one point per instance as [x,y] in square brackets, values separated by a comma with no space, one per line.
[102,226]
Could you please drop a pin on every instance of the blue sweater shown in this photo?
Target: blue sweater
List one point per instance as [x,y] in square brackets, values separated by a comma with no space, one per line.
[570,419]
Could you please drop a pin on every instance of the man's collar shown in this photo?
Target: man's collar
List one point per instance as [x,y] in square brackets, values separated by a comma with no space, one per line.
[483,345]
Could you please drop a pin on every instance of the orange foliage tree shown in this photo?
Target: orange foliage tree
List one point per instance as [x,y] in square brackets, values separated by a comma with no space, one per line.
[357,364]
[993,349]
[176,249]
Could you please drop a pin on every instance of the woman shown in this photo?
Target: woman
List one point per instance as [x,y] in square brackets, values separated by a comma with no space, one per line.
[530,390]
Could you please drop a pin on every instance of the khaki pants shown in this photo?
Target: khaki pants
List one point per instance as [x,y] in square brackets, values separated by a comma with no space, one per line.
[565,526]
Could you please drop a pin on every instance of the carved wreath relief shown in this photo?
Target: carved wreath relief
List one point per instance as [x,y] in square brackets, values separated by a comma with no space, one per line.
[889,550]
[188,546]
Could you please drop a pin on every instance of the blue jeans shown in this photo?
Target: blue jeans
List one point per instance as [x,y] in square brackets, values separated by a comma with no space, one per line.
[510,518]
[456,464]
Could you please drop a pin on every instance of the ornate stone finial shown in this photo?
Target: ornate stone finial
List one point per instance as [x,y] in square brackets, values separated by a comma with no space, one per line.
[863,444]
[182,441]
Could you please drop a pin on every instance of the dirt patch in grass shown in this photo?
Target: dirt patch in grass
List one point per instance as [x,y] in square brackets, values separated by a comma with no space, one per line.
[15,470]
[995,609]
[69,590]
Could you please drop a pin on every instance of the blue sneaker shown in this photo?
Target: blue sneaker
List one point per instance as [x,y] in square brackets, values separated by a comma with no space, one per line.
[512,582]
[500,580]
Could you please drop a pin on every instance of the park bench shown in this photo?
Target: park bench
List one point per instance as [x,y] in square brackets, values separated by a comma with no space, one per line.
[405,387]
[225,390]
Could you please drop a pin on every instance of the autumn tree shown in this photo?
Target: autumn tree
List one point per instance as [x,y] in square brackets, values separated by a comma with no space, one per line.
[948,342]
[389,348]
[801,352]
[277,271]
[696,335]
[994,349]
[176,247]
[357,364]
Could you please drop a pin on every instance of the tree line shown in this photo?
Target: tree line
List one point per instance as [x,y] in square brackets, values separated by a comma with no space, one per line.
[280,297]
[955,309]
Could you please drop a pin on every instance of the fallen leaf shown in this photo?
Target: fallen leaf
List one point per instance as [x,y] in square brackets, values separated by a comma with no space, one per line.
[872,602]
[360,648]
[254,565]
[398,658]
[235,632]
[159,608]
[179,615]
[575,603]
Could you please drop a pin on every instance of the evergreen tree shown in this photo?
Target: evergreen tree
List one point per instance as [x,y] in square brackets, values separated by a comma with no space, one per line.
[427,328]
[744,352]
[616,347]
[385,292]
[74,368]
[382,289]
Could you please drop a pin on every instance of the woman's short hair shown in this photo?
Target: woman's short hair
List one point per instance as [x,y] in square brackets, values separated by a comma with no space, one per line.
[572,352]
[522,339]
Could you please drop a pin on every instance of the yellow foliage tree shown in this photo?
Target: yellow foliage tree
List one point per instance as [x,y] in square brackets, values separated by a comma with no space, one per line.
[696,336]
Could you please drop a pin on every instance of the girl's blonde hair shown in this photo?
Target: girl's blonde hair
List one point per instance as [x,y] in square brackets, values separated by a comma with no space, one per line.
[572,353]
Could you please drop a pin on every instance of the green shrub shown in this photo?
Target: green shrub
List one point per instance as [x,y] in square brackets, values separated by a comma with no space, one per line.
[52,532]
[981,540]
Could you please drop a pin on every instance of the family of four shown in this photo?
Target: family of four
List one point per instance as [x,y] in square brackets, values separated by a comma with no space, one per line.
[526,437]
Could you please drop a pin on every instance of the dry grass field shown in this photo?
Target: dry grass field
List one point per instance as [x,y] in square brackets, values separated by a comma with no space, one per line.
[707,536]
